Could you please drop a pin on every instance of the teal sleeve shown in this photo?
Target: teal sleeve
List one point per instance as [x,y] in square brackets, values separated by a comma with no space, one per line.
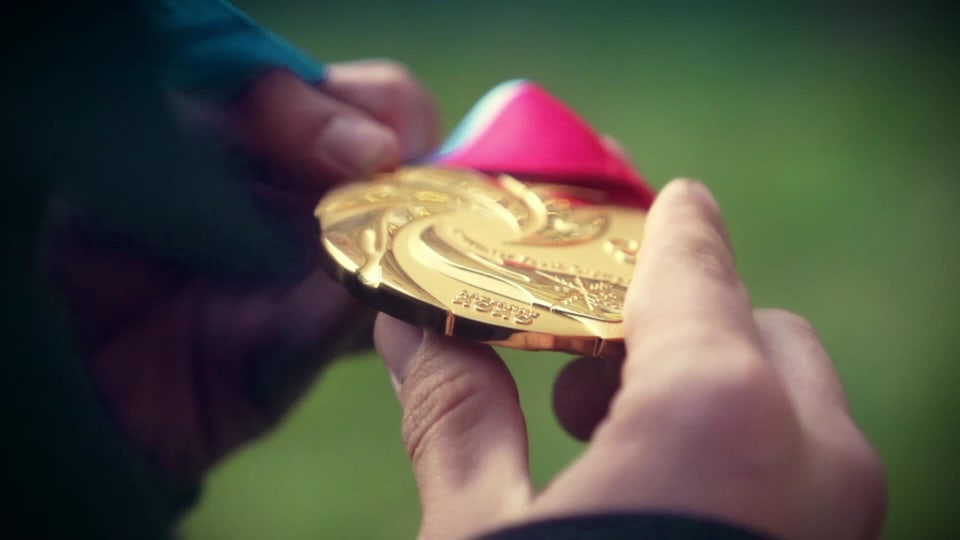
[210,48]
[83,115]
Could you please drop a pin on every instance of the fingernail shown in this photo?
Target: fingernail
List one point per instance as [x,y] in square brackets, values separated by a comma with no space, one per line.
[420,140]
[397,342]
[709,203]
[358,145]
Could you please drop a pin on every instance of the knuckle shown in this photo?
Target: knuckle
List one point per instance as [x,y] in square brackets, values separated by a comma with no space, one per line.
[395,91]
[788,320]
[859,477]
[867,471]
[395,75]
[729,395]
[257,97]
[730,398]
[438,404]
[729,412]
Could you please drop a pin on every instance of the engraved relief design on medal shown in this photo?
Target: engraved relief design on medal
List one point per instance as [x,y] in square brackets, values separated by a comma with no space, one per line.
[495,308]
[423,201]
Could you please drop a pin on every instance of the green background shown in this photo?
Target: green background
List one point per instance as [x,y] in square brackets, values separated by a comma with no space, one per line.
[830,138]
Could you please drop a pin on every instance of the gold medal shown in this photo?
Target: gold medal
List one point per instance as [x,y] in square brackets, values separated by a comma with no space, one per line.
[487,258]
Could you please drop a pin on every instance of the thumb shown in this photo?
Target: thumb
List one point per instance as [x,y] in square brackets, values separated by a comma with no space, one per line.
[462,426]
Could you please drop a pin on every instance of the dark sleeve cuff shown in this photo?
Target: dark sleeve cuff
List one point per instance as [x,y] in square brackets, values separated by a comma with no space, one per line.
[210,48]
[624,526]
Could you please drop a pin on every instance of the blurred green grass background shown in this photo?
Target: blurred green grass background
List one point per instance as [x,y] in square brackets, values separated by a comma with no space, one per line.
[830,138]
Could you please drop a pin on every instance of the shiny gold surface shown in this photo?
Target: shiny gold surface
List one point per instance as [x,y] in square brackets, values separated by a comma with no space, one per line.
[529,266]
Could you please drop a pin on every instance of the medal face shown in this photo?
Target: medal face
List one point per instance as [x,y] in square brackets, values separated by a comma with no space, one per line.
[487,258]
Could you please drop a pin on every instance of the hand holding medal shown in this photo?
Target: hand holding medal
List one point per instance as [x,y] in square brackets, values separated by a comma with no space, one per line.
[525,231]
[521,231]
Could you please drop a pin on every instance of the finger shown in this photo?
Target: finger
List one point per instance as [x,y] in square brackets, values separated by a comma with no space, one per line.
[390,93]
[582,394]
[313,139]
[792,346]
[462,426]
[817,395]
[686,301]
